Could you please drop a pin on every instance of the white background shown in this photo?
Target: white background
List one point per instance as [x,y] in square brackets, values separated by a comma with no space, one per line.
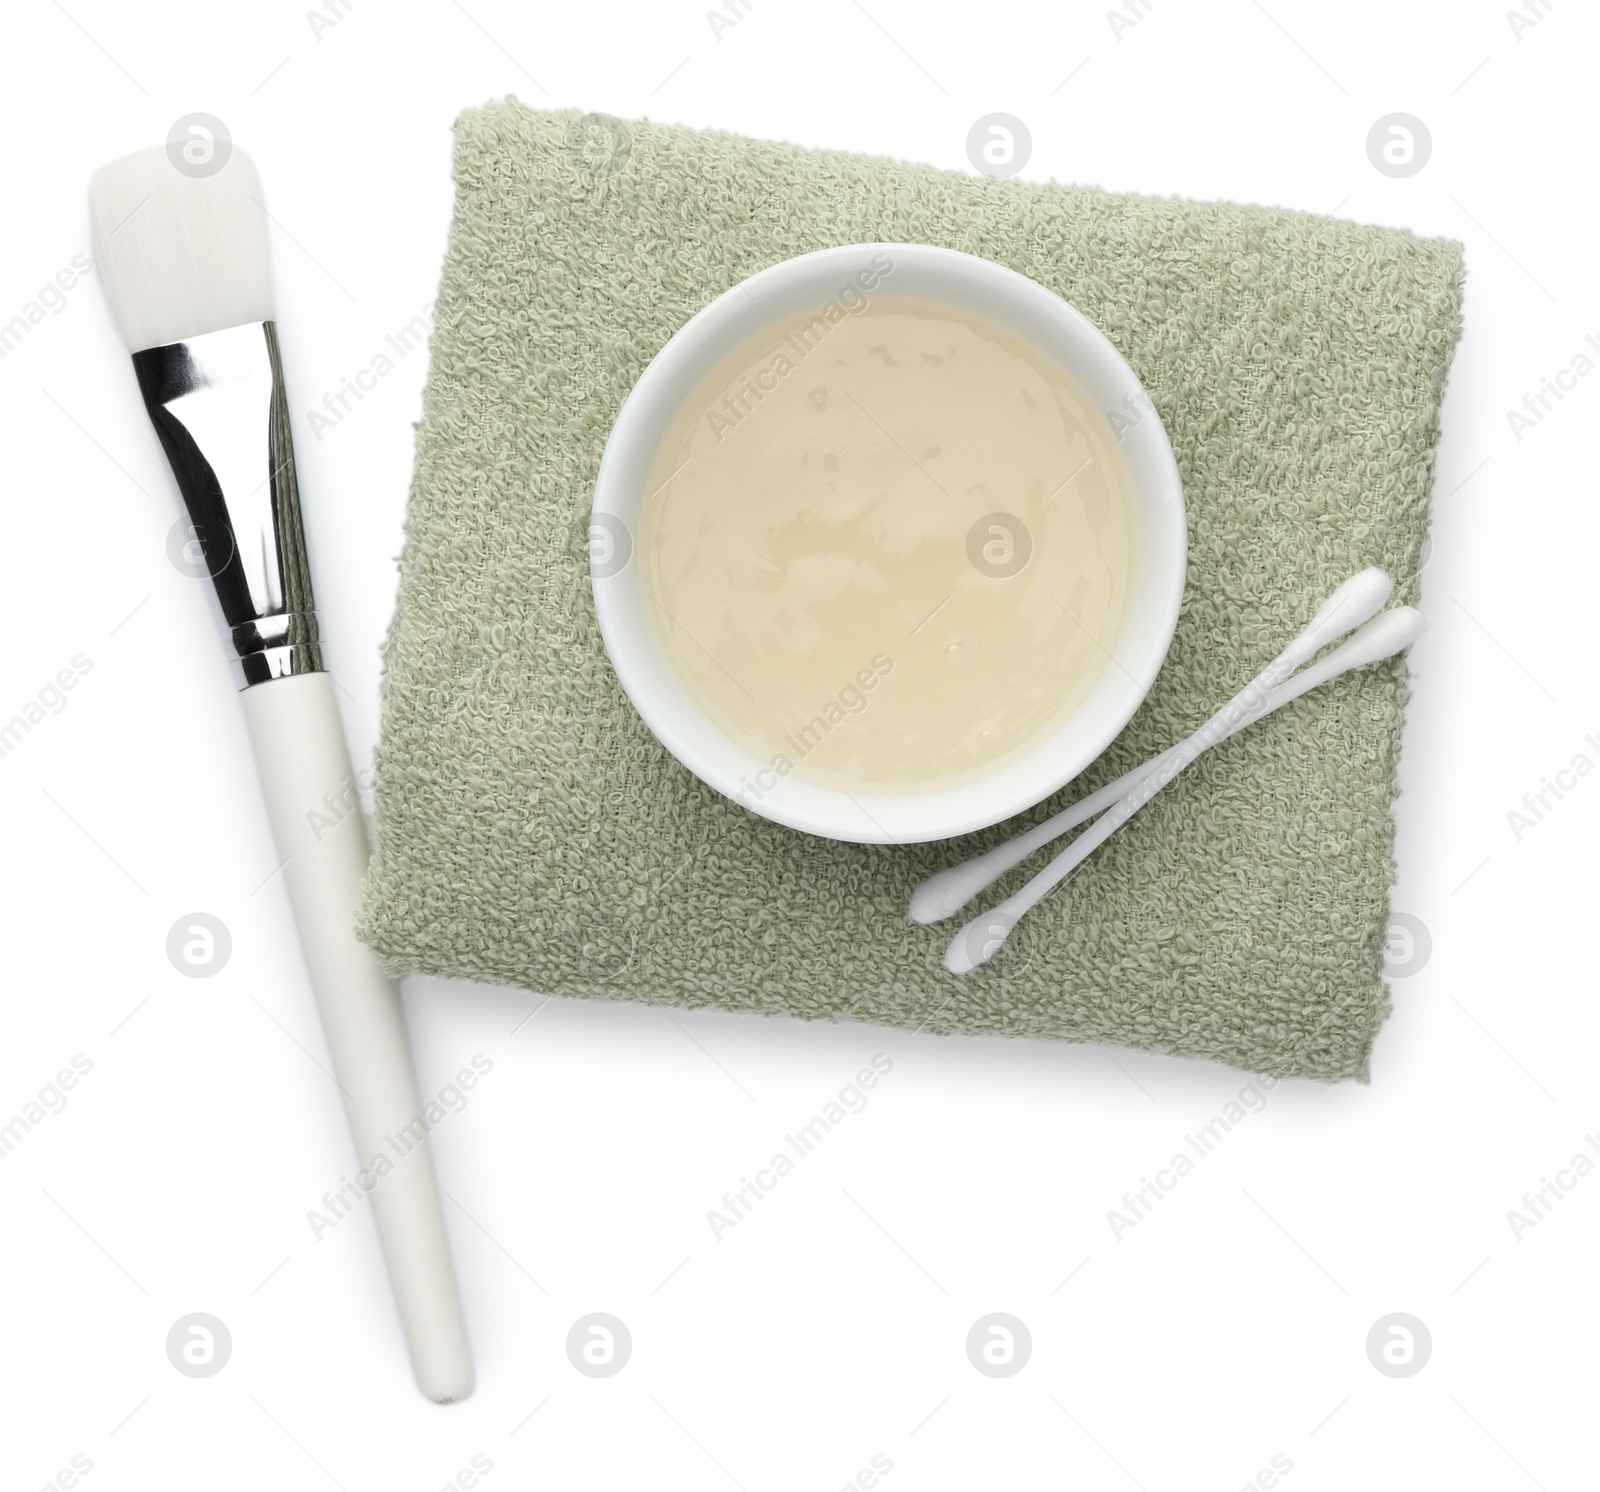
[1227,1328]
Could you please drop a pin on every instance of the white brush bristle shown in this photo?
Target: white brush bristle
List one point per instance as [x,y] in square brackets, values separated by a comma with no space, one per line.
[180,255]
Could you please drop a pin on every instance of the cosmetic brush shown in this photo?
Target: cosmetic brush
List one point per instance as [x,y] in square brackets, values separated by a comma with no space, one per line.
[947,891]
[187,271]
[1358,599]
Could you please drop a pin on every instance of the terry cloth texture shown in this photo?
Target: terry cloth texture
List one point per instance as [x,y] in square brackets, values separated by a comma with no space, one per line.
[531,831]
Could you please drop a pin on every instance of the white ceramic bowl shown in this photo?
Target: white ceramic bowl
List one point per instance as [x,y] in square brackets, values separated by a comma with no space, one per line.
[964,282]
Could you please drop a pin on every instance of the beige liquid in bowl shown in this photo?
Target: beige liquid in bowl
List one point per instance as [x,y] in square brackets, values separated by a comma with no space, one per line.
[890,549]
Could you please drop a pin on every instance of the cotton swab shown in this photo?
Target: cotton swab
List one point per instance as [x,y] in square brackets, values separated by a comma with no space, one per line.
[1358,599]
[946,892]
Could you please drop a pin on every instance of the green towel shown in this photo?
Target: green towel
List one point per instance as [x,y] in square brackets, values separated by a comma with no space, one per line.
[531,831]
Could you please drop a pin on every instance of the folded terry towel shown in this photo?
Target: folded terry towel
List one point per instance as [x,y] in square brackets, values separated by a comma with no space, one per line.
[531,831]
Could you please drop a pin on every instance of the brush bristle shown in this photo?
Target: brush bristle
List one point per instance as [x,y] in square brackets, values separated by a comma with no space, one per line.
[180,255]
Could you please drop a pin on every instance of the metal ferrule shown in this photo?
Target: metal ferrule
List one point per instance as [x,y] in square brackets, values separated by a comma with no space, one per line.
[218,404]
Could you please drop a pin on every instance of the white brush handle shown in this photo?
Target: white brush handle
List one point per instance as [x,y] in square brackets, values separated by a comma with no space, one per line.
[321,837]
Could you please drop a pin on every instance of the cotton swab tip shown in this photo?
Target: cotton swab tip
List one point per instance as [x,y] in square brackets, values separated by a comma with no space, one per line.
[1384,636]
[944,894]
[978,941]
[1359,599]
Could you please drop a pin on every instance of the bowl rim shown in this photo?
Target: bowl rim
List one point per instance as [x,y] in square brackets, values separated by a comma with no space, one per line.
[831,812]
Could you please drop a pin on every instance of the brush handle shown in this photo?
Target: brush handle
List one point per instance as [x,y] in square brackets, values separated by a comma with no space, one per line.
[313,803]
